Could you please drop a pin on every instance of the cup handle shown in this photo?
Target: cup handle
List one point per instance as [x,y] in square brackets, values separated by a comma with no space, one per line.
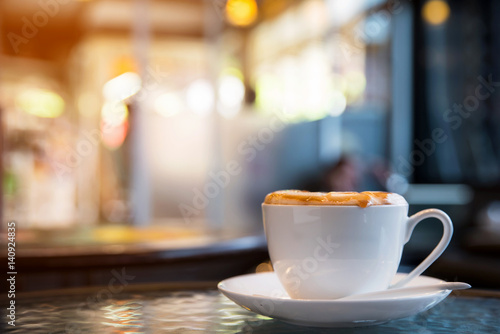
[438,250]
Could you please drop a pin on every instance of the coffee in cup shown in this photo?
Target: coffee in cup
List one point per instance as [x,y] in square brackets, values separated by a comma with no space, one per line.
[336,244]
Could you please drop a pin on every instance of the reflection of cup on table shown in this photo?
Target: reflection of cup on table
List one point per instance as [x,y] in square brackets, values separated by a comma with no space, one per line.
[332,245]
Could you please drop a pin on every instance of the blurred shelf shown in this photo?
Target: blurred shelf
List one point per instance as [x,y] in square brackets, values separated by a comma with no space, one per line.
[208,256]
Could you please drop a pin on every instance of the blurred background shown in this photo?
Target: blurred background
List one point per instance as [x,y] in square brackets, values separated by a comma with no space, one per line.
[145,134]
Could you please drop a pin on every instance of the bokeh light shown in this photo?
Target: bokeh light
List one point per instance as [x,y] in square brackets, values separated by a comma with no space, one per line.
[292,90]
[200,97]
[435,12]
[355,85]
[231,91]
[122,65]
[41,103]
[241,12]
[231,95]
[114,123]
[168,104]
[316,83]
[113,136]
[338,103]
[122,87]
[269,96]
[114,113]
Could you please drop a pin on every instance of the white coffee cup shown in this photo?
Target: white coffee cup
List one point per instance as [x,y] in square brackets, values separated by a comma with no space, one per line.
[333,251]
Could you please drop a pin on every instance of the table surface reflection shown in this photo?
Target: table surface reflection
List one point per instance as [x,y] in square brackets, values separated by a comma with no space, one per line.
[199,308]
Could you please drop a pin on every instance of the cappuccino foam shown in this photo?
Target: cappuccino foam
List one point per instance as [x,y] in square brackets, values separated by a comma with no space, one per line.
[363,199]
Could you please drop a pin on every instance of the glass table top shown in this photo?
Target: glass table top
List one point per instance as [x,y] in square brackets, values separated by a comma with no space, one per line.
[190,308]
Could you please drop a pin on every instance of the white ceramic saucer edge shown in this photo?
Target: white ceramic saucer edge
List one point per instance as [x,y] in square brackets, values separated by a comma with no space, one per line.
[263,294]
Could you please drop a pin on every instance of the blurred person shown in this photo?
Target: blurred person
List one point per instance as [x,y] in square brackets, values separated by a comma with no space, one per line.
[350,173]
[345,175]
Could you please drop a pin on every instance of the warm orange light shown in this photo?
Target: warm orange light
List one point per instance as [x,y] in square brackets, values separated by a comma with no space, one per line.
[112,136]
[114,124]
[122,65]
[241,12]
[435,12]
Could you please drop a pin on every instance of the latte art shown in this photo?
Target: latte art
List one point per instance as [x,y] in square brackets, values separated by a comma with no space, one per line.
[363,199]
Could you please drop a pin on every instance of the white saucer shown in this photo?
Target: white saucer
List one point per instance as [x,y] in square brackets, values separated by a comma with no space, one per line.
[263,294]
